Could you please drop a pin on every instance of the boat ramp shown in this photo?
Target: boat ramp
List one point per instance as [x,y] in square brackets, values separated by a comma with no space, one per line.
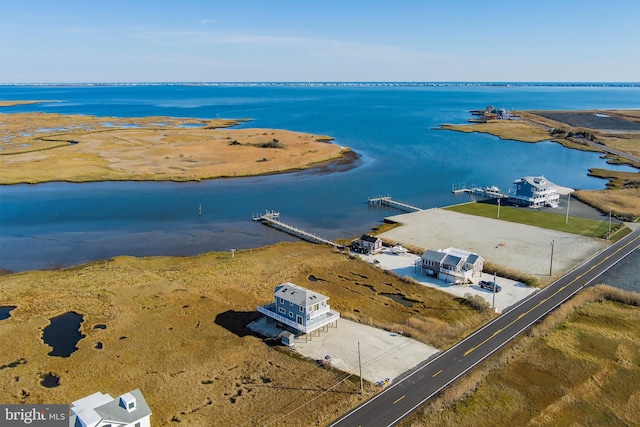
[272,219]
[388,201]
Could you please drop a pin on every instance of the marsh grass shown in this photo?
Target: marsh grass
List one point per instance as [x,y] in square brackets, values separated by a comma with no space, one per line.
[623,204]
[39,147]
[579,366]
[187,347]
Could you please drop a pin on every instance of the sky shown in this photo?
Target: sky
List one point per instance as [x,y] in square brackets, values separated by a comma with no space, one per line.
[44,41]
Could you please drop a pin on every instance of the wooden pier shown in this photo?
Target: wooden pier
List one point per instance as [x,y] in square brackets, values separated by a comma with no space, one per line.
[272,219]
[388,201]
[489,192]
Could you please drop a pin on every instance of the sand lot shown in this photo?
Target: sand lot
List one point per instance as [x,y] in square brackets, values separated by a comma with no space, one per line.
[403,264]
[384,355]
[521,247]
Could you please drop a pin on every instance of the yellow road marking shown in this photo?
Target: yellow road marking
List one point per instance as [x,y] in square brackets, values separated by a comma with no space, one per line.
[437,373]
[399,399]
[548,298]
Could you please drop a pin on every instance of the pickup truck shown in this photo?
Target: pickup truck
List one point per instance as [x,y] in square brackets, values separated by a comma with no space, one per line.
[489,285]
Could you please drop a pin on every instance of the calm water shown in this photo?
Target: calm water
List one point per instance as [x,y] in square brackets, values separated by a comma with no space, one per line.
[392,128]
[63,334]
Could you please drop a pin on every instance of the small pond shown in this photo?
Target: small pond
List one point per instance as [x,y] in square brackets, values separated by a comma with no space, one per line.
[5,311]
[400,299]
[63,334]
[50,380]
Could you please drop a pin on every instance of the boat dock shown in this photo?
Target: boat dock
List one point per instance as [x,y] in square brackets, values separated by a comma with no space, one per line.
[272,219]
[388,201]
[490,192]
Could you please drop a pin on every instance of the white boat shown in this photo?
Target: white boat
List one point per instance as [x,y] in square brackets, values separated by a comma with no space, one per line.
[398,249]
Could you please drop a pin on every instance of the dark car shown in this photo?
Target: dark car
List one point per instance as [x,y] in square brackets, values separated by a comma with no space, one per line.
[489,285]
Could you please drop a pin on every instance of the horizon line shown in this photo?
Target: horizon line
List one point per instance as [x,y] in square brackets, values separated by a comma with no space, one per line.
[329,83]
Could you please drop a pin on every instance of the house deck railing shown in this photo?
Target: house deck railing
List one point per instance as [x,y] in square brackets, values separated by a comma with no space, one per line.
[331,317]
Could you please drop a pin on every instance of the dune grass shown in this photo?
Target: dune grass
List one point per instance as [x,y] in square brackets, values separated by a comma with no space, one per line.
[580,366]
[552,221]
[175,328]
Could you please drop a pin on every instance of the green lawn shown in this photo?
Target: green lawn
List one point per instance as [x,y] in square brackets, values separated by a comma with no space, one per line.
[582,226]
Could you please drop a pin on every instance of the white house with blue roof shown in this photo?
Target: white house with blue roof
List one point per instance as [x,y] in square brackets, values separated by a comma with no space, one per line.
[300,309]
[102,410]
[452,265]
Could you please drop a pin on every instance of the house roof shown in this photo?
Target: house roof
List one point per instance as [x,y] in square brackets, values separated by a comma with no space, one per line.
[368,238]
[472,258]
[98,407]
[298,295]
[452,260]
[538,182]
[430,255]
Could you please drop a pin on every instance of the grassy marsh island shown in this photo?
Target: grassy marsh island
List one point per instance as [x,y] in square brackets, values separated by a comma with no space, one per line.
[40,147]
[175,328]
[614,132]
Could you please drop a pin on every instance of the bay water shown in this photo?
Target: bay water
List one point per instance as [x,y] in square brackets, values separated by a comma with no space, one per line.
[391,128]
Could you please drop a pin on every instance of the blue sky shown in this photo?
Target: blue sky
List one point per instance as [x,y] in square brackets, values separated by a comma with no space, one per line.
[305,40]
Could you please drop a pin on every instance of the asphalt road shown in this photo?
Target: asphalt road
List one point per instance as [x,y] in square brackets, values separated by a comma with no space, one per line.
[403,397]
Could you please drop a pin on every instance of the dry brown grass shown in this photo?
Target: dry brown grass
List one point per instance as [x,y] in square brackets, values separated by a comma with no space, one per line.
[40,147]
[175,329]
[14,103]
[623,203]
[504,129]
[579,366]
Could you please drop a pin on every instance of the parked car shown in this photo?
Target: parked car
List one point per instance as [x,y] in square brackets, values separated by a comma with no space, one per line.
[489,285]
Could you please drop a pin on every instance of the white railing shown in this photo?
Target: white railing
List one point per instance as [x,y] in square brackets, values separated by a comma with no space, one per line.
[320,312]
[331,317]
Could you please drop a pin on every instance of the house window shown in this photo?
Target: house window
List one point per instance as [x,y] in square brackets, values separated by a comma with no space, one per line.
[301,309]
[316,307]
[137,425]
[291,314]
[281,300]
[282,310]
[290,303]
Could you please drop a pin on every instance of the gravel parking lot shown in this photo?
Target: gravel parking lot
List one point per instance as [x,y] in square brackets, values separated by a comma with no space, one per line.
[521,247]
[384,355]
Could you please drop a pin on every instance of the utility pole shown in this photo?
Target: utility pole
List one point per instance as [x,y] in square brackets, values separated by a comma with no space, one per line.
[495,285]
[568,203]
[498,207]
[609,233]
[551,263]
[360,365]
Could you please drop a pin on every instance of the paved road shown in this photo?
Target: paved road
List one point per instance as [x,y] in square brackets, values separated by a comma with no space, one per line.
[399,400]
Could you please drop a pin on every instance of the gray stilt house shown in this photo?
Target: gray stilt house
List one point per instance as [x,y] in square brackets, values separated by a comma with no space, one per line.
[301,310]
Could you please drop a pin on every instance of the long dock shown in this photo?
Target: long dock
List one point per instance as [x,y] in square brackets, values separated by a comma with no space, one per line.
[272,219]
[388,201]
[489,192]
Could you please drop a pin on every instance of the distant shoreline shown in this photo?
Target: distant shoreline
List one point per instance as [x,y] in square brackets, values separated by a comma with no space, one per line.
[354,84]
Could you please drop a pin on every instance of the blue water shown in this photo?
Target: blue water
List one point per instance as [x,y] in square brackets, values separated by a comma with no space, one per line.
[391,128]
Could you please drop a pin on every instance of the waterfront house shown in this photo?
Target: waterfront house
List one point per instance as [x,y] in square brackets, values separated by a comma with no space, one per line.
[451,265]
[102,410]
[367,244]
[300,310]
[534,192]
